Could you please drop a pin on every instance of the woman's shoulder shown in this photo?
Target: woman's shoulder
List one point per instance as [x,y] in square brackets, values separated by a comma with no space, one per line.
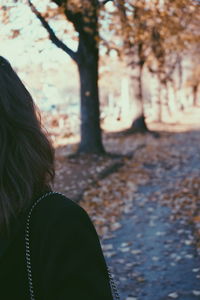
[55,201]
[56,209]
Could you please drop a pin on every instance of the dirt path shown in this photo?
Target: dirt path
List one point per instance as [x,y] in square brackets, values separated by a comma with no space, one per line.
[154,254]
[155,257]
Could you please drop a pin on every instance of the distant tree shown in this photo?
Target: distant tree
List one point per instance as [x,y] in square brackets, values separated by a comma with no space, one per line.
[154,33]
[84,16]
[194,83]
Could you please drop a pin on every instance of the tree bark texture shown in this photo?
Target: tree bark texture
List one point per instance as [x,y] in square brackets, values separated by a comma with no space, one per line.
[91,140]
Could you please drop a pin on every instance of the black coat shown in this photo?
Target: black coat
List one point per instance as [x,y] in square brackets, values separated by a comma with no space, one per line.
[67,259]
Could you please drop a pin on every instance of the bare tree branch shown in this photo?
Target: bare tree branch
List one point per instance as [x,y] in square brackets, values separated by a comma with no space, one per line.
[55,40]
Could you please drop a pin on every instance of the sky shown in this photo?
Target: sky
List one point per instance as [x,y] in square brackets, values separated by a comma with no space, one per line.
[24,49]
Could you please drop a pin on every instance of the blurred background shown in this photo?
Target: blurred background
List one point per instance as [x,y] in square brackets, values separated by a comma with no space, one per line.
[148,60]
[118,87]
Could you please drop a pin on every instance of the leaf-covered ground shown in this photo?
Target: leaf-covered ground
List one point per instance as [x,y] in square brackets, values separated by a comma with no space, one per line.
[147,213]
[154,254]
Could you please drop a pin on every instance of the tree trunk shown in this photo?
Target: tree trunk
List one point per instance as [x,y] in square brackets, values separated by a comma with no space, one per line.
[180,72]
[195,98]
[91,140]
[167,106]
[139,125]
[160,108]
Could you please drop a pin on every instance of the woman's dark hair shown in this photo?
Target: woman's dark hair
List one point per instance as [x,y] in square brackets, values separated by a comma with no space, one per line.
[26,154]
